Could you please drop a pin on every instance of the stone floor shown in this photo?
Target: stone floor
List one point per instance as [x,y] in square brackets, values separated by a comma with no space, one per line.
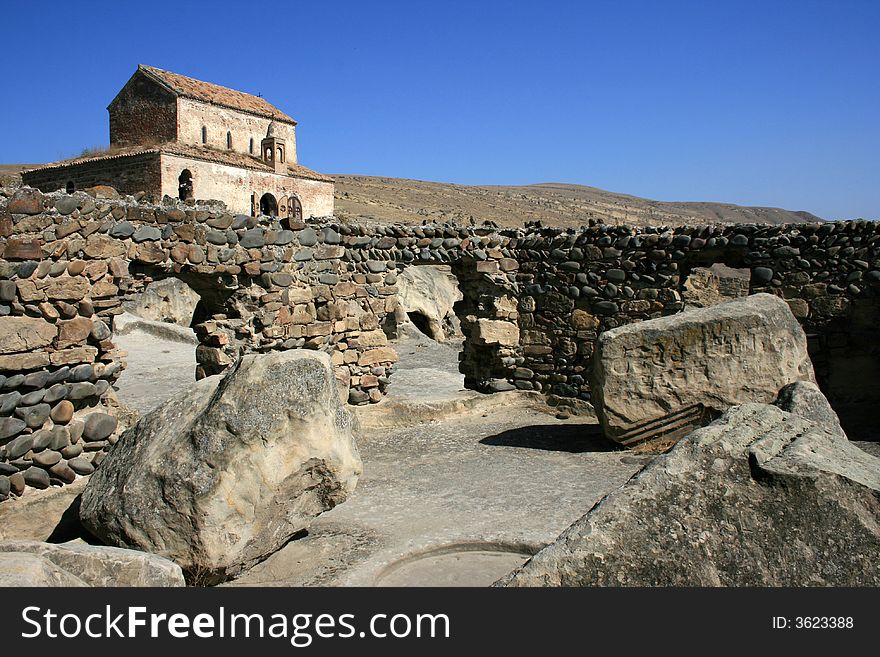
[458,487]
[461,495]
[157,368]
[458,502]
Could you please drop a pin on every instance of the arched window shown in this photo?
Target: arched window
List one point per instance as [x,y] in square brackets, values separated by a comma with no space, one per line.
[251,146]
[204,134]
[229,140]
[280,154]
[71,188]
[185,185]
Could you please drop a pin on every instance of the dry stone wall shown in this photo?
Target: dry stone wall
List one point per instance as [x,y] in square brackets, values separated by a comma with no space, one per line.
[534,299]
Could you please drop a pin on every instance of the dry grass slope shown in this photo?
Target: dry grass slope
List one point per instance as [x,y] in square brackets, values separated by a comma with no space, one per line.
[554,204]
[379,199]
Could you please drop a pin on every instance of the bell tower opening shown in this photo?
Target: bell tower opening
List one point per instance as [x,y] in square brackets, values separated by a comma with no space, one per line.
[272,148]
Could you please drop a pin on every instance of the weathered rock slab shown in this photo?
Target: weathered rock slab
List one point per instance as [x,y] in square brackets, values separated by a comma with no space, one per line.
[25,569]
[167,300]
[805,399]
[431,291]
[98,565]
[663,377]
[224,474]
[760,497]
[24,334]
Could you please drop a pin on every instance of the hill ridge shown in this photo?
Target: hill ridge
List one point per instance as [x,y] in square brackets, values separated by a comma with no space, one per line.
[408,200]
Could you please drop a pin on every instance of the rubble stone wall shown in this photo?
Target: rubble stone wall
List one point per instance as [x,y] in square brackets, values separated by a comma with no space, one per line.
[534,299]
[129,174]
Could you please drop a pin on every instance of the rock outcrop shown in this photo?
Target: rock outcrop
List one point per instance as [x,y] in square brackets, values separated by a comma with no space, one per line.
[666,376]
[168,300]
[224,474]
[760,497]
[805,399]
[428,294]
[127,323]
[35,563]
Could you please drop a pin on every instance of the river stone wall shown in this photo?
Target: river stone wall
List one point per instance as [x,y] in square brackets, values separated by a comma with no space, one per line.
[534,299]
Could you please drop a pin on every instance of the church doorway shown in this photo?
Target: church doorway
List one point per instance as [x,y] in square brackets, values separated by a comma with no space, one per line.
[296,209]
[268,205]
[185,185]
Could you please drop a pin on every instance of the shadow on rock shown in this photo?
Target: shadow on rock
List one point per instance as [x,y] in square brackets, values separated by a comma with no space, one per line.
[70,528]
[575,439]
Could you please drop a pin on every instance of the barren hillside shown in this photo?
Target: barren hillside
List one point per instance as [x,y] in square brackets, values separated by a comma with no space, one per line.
[11,173]
[554,204]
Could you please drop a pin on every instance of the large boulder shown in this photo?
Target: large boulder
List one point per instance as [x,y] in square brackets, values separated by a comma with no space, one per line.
[760,497]
[224,474]
[663,377]
[167,300]
[98,565]
[427,293]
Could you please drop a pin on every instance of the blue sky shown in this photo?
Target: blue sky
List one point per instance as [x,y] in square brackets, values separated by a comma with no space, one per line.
[759,103]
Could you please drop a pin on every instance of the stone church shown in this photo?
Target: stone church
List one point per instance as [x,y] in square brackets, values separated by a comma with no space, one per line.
[177,136]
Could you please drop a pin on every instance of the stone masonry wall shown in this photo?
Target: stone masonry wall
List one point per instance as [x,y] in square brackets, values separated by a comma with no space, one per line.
[192,115]
[535,299]
[234,186]
[128,174]
[142,113]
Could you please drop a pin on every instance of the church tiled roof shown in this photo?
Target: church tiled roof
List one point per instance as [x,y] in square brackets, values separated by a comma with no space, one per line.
[215,94]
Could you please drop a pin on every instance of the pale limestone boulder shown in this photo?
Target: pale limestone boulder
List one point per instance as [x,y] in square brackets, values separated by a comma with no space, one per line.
[662,377]
[127,323]
[168,300]
[805,399]
[431,291]
[759,497]
[99,565]
[25,569]
[224,474]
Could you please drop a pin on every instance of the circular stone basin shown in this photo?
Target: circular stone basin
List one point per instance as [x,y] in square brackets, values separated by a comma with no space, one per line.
[456,565]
